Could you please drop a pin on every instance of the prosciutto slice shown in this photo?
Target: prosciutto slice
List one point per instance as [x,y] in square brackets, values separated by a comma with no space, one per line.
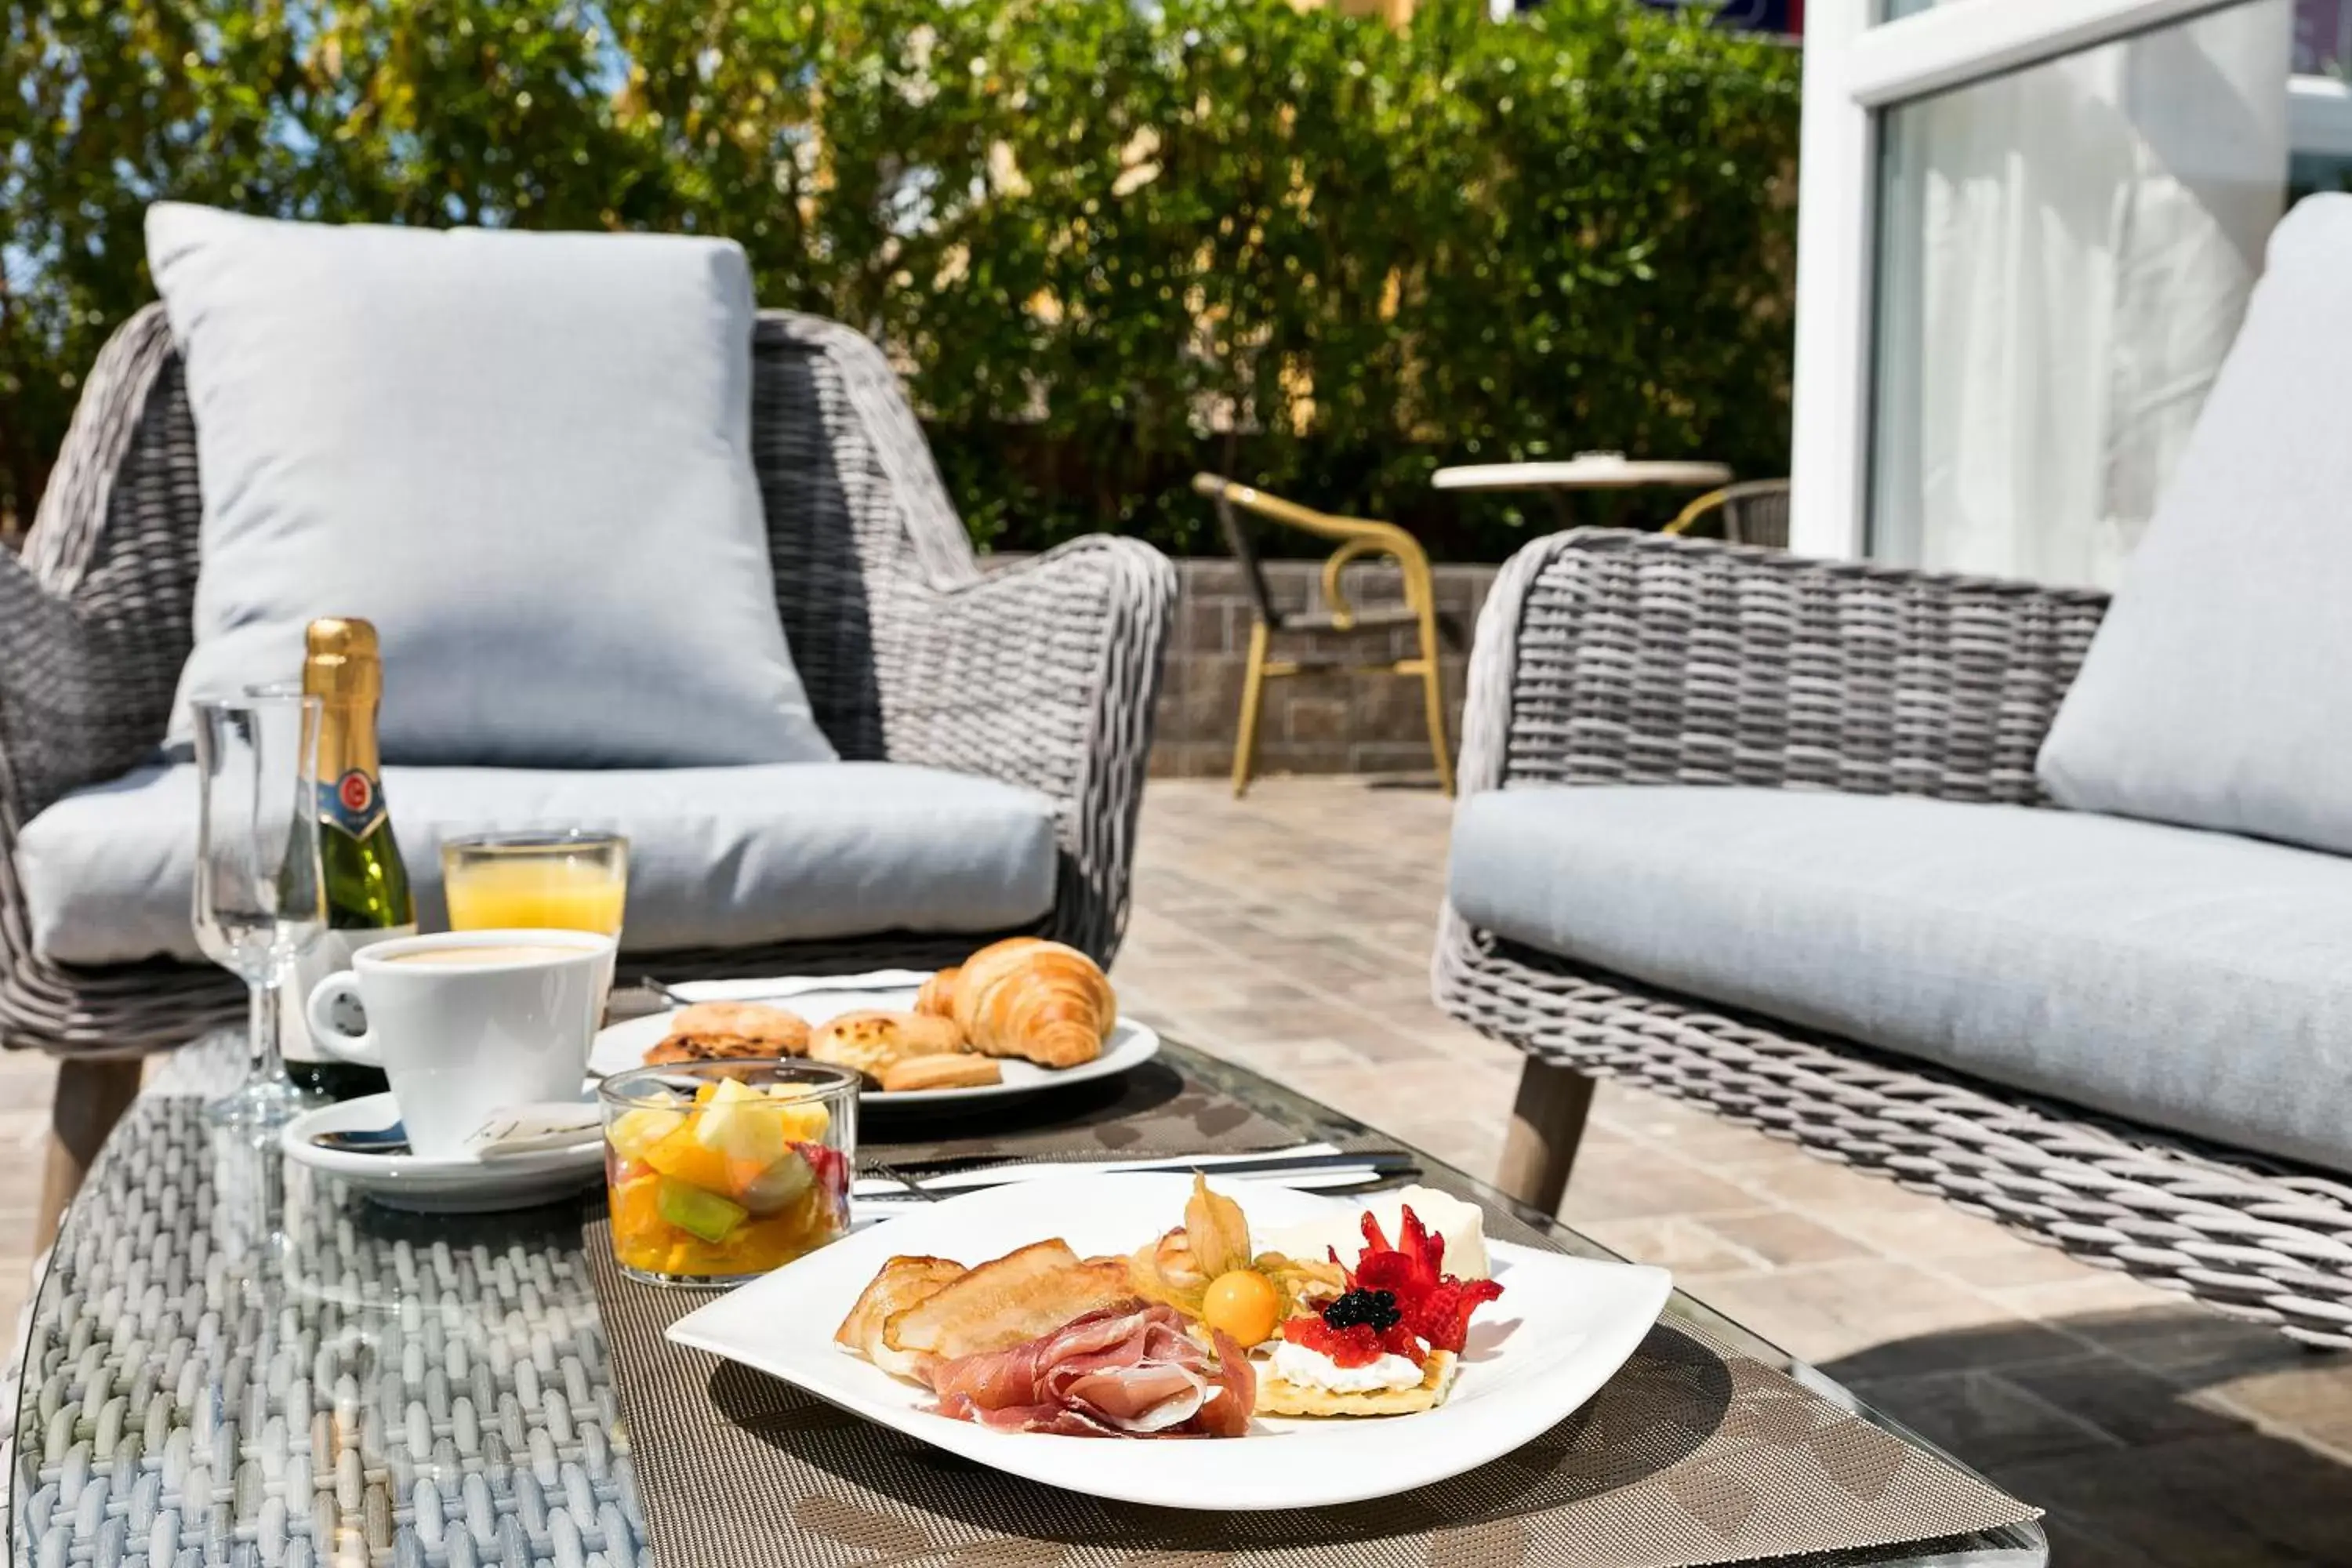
[1122,1371]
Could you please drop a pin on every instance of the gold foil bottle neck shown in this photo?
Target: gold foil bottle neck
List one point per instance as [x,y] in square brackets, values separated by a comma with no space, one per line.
[340,662]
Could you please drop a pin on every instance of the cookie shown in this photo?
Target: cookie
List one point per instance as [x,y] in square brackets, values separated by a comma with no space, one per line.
[949,1071]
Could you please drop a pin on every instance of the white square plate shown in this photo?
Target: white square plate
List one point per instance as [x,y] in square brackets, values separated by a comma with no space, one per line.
[1562,1328]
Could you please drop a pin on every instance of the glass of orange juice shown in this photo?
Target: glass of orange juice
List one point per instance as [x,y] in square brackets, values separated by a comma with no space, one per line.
[563,878]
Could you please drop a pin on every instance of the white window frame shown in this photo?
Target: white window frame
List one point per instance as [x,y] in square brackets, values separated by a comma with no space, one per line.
[1854,72]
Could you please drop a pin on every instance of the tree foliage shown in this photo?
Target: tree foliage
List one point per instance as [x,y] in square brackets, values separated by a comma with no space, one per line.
[1105,245]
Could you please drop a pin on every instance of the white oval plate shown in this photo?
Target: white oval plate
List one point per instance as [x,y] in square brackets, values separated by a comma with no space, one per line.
[1562,1328]
[436,1186]
[621,1046]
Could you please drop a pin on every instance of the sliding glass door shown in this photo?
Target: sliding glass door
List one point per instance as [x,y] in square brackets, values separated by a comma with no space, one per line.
[2054,210]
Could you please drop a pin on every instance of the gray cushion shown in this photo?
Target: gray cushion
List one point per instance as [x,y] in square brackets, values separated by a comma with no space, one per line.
[2213,694]
[525,456]
[2190,980]
[718,856]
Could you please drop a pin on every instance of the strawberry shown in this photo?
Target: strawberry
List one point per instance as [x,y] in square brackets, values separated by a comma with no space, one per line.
[1430,1303]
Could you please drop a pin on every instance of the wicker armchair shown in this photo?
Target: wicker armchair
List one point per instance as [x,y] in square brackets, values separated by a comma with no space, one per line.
[1042,674]
[1608,658]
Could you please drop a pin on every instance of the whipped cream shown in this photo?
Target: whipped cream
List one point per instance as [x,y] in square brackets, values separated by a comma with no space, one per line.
[1313,1369]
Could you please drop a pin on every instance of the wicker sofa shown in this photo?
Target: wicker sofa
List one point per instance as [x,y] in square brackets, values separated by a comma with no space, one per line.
[1041,675]
[1609,659]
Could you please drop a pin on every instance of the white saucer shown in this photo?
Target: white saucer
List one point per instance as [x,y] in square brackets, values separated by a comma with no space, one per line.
[463,1185]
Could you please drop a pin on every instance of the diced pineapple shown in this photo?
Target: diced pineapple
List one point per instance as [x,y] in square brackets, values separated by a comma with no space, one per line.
[804,1118]
[635,1132]
[794,1115]
[746,1134]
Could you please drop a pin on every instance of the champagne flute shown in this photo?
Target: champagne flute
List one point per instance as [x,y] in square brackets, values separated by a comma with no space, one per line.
[259,896]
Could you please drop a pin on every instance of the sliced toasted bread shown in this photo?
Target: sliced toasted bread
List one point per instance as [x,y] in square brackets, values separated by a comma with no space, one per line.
[1017,1297]
[1278,1396]
[903,1282]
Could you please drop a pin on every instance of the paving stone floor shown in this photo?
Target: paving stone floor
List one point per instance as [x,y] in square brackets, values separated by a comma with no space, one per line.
[25,1084]
[1291,933]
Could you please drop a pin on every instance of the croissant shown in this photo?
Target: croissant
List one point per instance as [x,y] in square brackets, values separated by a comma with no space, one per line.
[1038,1000]
[936,998]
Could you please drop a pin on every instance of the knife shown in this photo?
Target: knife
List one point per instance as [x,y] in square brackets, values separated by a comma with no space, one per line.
[1375,1162]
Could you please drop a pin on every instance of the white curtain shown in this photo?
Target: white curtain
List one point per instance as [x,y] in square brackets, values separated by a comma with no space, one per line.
[2065,254]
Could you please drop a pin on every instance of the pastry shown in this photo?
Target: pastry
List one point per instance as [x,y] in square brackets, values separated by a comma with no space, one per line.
[1036,1000]
[742,1020]
[951,1071]
[936,998]
[871,1042]
[674,1050]
[1278,1396]
[725,1031]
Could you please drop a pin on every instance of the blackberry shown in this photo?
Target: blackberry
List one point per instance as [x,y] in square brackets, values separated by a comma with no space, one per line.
[1374,1310]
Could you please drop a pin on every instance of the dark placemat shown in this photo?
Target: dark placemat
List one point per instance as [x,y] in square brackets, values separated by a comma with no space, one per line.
[1691,1455]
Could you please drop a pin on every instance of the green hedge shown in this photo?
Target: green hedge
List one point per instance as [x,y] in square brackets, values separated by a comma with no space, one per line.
[1106,248]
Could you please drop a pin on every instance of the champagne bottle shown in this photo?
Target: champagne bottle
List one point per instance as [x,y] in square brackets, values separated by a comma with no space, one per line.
[368,899]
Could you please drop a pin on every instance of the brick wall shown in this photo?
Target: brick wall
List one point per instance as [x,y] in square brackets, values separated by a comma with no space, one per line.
[1316,723]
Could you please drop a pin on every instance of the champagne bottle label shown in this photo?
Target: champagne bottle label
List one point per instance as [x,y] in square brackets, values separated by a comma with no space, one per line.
[352,802]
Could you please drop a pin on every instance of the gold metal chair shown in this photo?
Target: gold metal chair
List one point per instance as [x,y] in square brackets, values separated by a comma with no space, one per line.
[1358,537]
[1755,511]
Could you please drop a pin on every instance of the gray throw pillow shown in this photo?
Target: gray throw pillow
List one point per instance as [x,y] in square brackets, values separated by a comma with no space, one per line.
[2214,694]
[525,456]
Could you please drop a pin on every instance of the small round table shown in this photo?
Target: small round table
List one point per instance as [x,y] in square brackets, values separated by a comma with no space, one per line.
[1585,471]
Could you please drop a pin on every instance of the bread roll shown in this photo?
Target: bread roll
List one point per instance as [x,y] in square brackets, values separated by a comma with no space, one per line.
[871,1042]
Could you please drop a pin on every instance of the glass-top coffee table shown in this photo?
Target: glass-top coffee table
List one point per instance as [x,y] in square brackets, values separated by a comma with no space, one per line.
[233,1361]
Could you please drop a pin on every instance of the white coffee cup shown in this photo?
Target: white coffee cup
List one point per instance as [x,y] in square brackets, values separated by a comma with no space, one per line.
[467,1023]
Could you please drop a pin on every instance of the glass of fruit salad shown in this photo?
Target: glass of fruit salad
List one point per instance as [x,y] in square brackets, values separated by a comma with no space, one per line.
[721,1170]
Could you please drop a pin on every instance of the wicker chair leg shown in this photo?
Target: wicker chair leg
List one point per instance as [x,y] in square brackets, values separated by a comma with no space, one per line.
[1253,698]
[1547,1124]
[1432,694]
[91,1096]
